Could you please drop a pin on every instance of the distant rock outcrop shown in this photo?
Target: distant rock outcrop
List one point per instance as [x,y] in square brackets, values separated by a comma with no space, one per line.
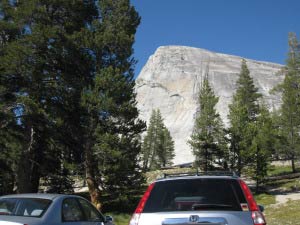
[171,78]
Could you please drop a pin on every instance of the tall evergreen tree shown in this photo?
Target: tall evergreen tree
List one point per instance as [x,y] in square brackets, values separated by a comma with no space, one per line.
[109,124]
[36,69]
[289,119]
[68,92]
[9,136]
[262,146]
[166,155]
[149,143]
[208,138]
[243,111]
[158,146]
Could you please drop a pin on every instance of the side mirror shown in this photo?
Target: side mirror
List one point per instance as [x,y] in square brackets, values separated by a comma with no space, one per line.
[261,208]
[109,219]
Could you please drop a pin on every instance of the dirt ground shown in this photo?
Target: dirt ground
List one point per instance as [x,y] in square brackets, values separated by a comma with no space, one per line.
[283,198]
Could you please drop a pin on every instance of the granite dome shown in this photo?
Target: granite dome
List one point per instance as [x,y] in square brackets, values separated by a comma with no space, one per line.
[170,82]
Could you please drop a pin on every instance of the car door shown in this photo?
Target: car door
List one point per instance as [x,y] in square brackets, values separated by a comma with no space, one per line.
[72,213]
[92,215]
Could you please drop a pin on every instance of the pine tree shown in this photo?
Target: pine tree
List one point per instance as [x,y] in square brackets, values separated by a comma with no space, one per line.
[109,123]
[149,144]
[243,111]
[158,146]
[36,62]
[262,146]
[289,119]
[208,138]
[68,93]
[167,147]
[9,136]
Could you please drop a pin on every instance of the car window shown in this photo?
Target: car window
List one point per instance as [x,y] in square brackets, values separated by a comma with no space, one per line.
[71,211]
[194,194]
[31,207]
[7,206]
[90,212]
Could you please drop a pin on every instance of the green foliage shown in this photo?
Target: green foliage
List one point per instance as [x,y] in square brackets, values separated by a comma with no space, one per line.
[120,218]
[262,146]
[67,94]
[109,121]
[279,170]
[288,121]
[243,113]
[265,199]
[59,182]
[158,146]
[49,97]
[208,139]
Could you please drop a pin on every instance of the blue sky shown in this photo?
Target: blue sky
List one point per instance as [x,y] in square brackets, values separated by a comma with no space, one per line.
[255,29]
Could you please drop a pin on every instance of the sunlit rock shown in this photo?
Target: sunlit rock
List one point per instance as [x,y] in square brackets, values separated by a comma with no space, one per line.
[171,78]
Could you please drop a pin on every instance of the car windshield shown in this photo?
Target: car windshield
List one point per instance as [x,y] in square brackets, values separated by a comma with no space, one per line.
[195,194]
[30,207]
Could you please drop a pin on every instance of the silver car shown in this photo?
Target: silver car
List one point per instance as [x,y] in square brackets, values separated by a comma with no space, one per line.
[49,209]
[210,199]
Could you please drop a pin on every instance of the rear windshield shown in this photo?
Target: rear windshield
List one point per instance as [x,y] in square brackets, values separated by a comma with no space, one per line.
[30,207]
[195,194]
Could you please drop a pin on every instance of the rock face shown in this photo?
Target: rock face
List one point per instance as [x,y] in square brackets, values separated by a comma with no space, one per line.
[171,78]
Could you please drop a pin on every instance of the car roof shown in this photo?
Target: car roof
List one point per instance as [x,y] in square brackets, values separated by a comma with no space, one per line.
[36,195]
[199,175]
[196,177]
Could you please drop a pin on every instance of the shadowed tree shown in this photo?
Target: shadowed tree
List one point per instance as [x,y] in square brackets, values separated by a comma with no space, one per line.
[38,53]
[68,93]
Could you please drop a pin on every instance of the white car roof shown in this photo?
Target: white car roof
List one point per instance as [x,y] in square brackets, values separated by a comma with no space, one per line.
[35,195]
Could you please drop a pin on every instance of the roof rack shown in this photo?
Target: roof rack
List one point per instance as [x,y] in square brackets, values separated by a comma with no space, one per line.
[202,173]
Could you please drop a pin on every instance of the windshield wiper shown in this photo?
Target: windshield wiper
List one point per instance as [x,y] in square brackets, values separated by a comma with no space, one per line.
[211,206]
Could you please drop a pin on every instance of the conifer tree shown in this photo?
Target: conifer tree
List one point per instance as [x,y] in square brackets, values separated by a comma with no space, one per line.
[9,136]
[262,146]
[243,111]
[167,148]
[158,146]
[68,92]
[37,71]
[149,144]
[110,125]
[289,119]
[208,138]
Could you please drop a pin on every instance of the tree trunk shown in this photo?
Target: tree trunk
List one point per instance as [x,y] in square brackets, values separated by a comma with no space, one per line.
[257,170]
[257,186]
[293,164]
[152,157]
[27,176]
[94,192]
[93,186]
[23,175]
[239,165]
[206,161]
[28,170]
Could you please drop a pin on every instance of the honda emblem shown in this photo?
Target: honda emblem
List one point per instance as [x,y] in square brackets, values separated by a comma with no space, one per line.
[194,218]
